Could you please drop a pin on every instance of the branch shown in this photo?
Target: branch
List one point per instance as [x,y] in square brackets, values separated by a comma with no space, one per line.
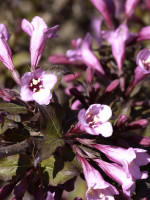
[14,149]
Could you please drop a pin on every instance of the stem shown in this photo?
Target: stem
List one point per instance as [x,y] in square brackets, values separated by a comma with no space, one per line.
[121,79]
[14,149]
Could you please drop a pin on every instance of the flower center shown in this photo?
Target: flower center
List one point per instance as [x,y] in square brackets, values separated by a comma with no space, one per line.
[35,85]
[146,64]
[92,120]
[102,196]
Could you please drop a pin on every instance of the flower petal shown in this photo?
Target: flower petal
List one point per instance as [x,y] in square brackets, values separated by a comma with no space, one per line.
[104,129]
[49,80]
[27,27]
[42,97]
[26,94]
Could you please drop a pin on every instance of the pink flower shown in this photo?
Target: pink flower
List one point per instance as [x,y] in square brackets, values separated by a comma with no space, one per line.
[142,158]
[118,39]
[37,86]
[84,54]
[98,188]
[39,33]
[147,2]
[76,105]
[118,174]
[130,159]
[143,60]
[95,120]
[106,9]
[144,34]
[5,52]
[142,70]
[119,155]
[128,169]
[96,29]
[50,196]
[130,6]
[72,77]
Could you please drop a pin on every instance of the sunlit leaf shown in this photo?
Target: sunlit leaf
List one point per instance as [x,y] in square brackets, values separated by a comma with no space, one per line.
[56,171]
[13,108]
[47,147]
[13,165]
[51,119]
[7,124]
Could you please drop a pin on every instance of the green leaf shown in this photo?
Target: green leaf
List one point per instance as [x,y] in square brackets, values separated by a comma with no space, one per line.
[13,165]
[51,128]
[13,108]
[56,171]
[7,124]
[51,119]
[47,147]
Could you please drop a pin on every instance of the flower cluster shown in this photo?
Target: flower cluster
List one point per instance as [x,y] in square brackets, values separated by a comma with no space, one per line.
[36,85]
[94,125]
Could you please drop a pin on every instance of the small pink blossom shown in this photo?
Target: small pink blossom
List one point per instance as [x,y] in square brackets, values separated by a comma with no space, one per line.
[76,105]
[143,60]
[118,39]
[106,9]
[50,196]
[37,86]
[142,70]
[39,33]
[144,34]
[130,6]
[147,2]
[95,120]
[96,23]
[84,54]
[5,52]
[72,77]
[98,188]
[142,158]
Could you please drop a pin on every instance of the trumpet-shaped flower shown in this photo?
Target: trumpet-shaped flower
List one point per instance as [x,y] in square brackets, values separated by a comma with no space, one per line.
[84,54]
[95,120]
[39,33]
[129,162]
[143,60]
[98,188]
[37,86]
[144,34]
[130,158]
[117,173]
[118,39]
[106,9]
[142,70]
[5,52]
[130,6]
